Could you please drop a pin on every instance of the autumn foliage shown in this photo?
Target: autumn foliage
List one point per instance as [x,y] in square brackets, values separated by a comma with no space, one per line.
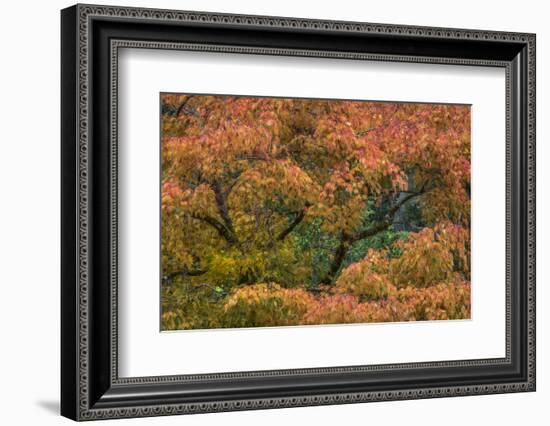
[281,212]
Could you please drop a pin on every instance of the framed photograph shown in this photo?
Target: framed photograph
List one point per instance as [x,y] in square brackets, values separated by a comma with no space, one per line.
[263,212]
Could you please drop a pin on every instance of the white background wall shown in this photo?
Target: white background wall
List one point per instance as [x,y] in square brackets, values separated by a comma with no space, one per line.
[29,213]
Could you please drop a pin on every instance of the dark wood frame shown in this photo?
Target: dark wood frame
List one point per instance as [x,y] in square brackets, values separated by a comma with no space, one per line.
[90,386]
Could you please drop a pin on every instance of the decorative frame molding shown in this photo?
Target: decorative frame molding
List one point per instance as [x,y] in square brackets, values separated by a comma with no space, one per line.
[91,388]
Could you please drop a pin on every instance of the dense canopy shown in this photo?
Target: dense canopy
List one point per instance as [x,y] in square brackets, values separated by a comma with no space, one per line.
[301,211]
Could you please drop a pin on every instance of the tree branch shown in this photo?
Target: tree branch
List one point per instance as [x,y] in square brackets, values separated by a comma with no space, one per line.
[381,226]
[218,226]
[337,260]
[409,196]
[183,107]
[347,240]
[184,271]
[225,229]
[220,197]
[297,220]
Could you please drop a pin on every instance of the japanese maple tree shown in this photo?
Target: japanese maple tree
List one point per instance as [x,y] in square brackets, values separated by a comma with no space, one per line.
[304,211]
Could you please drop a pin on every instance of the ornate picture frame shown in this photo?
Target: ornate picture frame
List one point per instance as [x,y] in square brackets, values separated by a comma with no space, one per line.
[91,37]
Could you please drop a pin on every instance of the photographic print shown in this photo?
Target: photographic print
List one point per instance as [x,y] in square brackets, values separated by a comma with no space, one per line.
[260,183]
[295,212]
